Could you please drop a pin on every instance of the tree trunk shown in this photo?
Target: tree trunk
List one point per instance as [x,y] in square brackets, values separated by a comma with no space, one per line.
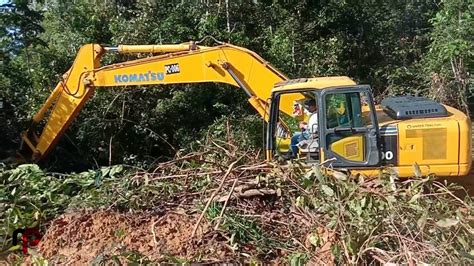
[227,15]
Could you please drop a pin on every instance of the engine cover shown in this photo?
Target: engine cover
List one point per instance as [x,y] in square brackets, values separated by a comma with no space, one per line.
[406,107]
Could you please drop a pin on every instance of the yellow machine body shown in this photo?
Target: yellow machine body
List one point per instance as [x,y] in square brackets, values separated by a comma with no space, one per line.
[438,145]
[352,148]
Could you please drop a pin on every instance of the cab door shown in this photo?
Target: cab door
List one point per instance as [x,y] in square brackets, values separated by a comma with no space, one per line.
[349,133]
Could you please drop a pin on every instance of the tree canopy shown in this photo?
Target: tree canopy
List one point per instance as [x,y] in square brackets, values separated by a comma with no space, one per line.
[398,47]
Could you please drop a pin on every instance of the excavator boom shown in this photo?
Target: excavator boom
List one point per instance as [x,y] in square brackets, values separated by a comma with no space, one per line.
[181,63]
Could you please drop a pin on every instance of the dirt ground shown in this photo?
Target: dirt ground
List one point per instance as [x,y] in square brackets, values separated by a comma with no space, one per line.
[85,237]
[94,236]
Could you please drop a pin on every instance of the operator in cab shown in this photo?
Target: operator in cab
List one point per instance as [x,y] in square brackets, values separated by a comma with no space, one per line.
[307,138]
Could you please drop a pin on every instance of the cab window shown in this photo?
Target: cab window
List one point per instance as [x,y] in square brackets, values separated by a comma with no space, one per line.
[347,110]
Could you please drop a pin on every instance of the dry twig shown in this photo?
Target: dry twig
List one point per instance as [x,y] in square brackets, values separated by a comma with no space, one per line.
[231,166]
[225,204]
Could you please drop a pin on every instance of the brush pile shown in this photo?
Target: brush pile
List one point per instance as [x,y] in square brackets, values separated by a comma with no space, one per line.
[222,204]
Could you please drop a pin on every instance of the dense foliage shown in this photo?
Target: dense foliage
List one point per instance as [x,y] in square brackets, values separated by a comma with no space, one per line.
[273,214]
[416,47]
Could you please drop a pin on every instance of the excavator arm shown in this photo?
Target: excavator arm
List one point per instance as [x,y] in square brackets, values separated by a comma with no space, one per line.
[175,64]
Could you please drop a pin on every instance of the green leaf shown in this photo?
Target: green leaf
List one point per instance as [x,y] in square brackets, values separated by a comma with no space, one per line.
[14,248]
[448,222]
[463,242]
[339,176]
[421,222]
[358,209]
[391,199]
[319,174]
[363,201]
[327,190]
[116,169]
[417,170]
[414,198]
[147,179]
[297,259]
[105,171]
[314,239]
[300,201]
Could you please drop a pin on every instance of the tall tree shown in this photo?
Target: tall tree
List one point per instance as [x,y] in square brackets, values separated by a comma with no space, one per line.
[20,28]
[450,60]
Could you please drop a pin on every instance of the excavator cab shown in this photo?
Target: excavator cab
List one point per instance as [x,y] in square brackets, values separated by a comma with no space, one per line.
[347,134]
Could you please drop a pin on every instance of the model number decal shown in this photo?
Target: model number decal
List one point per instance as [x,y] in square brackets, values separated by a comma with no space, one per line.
[387,155]
[389,138]
[171,69]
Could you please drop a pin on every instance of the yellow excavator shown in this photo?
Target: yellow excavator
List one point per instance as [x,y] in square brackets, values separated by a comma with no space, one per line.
[349,131]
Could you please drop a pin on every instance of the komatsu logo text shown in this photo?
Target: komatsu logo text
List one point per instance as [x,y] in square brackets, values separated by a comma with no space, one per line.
[147,76]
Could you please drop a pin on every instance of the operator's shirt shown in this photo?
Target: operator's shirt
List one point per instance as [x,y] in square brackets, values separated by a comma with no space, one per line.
[313,123]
